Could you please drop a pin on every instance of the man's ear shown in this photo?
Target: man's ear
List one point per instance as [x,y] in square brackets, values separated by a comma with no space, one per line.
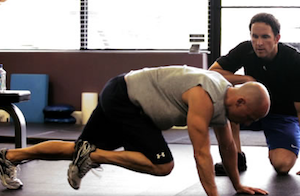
[277,38]
[240,102]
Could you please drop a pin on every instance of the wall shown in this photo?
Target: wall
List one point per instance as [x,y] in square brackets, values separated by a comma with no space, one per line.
[71,73]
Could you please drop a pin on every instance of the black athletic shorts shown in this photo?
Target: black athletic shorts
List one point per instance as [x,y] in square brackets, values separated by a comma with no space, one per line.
[117,122]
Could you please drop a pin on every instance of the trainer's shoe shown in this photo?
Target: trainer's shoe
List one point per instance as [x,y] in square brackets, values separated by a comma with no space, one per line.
[81,163]
[8,172]
[242,165]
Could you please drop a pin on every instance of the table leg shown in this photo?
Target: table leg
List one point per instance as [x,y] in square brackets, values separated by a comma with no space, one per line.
[19,122]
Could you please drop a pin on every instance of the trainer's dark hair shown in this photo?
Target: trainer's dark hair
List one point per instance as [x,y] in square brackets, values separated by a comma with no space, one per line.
[269,19]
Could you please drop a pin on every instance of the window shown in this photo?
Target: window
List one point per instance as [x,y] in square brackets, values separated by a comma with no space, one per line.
[236,16]
[36,24]
[111,24]
[138,24]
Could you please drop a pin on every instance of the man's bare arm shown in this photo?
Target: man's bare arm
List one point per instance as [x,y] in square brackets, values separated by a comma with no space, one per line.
[198,118]
[231,77]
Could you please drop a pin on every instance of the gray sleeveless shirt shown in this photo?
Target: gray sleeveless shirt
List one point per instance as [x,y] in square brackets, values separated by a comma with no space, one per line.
[158,91]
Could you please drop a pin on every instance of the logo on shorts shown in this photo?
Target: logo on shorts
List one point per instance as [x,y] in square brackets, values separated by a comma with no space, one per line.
[162,154]
[293,146]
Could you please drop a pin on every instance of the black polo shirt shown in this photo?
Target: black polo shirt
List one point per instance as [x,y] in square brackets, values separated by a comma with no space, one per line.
[281,75]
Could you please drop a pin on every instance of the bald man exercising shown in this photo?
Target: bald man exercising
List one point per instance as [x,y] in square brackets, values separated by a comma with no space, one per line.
[133,110]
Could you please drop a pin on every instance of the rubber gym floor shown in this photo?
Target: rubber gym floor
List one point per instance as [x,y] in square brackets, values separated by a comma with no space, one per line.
[49,178]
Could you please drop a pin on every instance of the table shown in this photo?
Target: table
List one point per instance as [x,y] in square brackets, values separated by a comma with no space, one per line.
[7,100]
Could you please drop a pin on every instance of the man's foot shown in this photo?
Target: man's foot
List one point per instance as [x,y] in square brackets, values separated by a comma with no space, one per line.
[242,165]
[8,172]
[81,163]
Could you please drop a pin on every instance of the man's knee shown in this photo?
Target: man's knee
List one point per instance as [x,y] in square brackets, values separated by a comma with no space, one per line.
[281,167]
[163,169]
[282,160]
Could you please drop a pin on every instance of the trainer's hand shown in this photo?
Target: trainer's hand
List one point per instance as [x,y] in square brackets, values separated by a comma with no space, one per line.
[252,191]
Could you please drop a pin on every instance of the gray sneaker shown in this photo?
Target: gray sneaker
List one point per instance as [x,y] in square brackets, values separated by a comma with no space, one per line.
[8,172]
[81,163]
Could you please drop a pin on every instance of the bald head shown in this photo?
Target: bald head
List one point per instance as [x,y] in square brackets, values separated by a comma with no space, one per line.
[247,103]
[257,97]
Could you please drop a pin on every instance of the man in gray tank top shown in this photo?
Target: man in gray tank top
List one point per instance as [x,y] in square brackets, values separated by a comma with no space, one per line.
[133,110]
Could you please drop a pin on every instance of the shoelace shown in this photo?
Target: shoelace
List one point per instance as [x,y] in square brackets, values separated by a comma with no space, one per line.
[84,170]
[9,169]
[96,171]
[84,149]
[83,153]
[13,171]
